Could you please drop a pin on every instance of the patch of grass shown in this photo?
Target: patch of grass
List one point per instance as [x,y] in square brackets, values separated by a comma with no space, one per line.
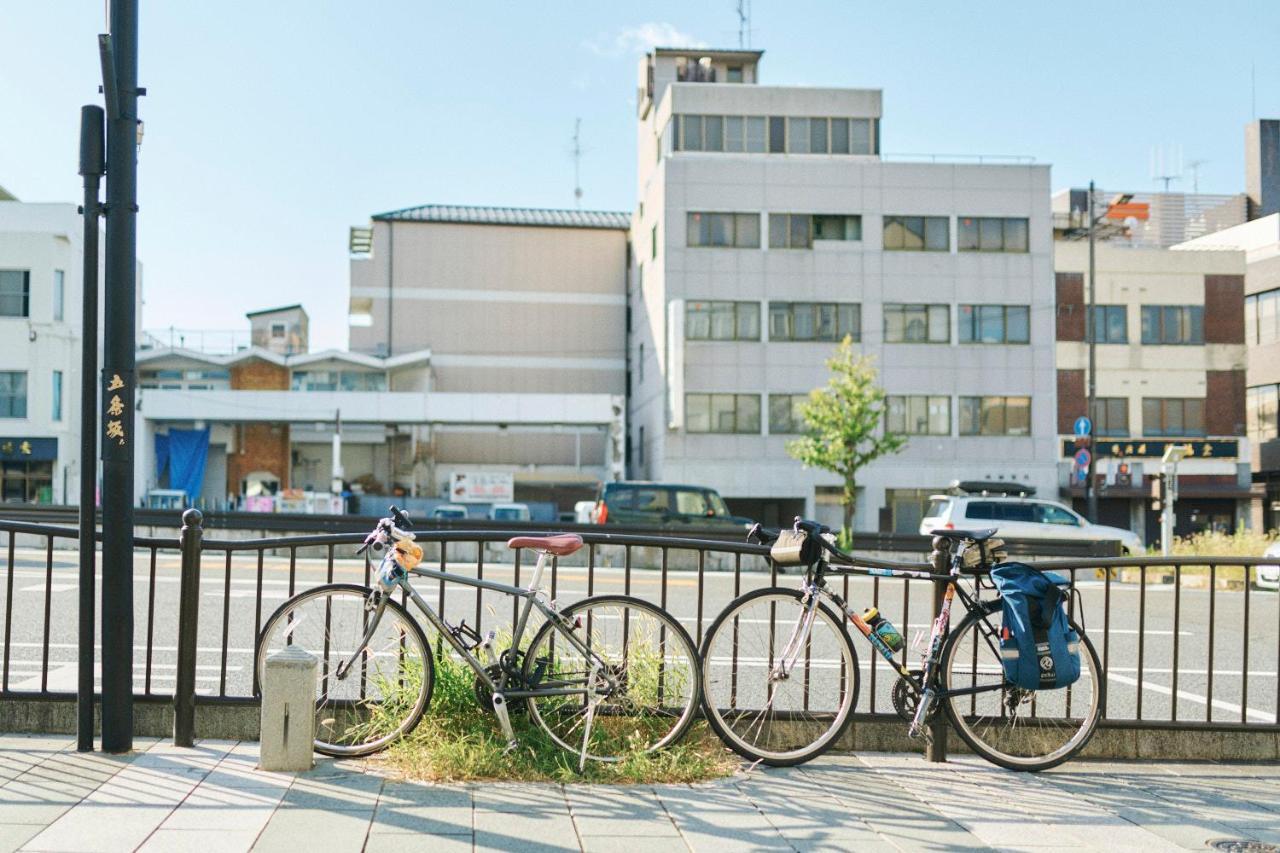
[459,741]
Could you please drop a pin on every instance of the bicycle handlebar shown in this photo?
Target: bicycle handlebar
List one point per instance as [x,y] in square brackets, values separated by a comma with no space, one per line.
[394,527]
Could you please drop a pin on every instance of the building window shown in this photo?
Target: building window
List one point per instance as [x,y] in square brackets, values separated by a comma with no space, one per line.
[277,331]
[736,230]
[917,324]
[995,324]
[722,413]
[917,234]
[722,321]
[918,414]
[785,413]
[772,134]
[57,395]
[1110,325]
[338,380]
[640,363]
[815,321]
[15,286]
[1173,416]
[1172,324]
[995,416]
[991,234]
[13,394]
[1262,412]
[1262,318]
[26,482]
[653,244]
[59,294]
[1110,416]
[640,447]
[733,74]
[799,230]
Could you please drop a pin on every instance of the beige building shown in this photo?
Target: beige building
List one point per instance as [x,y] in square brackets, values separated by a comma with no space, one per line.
[528,304]
[1171,369]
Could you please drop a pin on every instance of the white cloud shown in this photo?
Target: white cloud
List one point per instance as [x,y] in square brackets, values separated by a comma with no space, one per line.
[640,39]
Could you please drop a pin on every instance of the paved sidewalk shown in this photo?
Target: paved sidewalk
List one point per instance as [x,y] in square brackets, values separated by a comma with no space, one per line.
[211,799]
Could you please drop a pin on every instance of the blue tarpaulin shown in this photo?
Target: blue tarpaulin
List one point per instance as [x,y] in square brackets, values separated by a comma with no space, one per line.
[184,453]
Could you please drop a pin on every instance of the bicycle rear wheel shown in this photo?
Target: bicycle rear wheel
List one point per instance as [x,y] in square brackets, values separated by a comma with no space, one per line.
[384,694]
[1015,728]
[646,697]
[758,713]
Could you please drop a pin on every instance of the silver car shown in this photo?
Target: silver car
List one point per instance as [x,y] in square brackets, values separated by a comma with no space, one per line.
[1021,518]
[1268,574]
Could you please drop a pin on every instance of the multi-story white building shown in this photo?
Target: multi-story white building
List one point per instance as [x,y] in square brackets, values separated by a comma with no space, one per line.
[41,257]
[769,227]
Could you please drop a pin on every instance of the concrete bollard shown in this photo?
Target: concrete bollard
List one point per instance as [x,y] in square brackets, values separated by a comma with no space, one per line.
[288,711]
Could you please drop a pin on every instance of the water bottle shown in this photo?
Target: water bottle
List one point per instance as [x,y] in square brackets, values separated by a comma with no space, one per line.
[883,629]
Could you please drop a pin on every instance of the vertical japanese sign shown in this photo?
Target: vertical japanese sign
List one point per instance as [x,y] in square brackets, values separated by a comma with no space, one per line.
[117,415]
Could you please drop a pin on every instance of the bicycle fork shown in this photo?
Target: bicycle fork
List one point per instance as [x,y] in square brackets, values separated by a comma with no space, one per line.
[931,660]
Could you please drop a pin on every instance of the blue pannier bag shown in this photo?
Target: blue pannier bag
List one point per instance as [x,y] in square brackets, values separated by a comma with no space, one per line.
[1038,648]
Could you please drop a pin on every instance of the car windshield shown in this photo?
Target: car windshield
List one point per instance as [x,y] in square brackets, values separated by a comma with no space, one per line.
[508,514]
[450,513]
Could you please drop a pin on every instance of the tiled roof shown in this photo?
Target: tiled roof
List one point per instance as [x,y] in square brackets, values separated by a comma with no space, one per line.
[509,216]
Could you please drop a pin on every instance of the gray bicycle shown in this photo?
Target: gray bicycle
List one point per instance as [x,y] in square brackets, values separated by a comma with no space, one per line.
[607,677]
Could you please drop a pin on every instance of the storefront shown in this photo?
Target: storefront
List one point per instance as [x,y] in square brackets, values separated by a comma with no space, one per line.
[26,469]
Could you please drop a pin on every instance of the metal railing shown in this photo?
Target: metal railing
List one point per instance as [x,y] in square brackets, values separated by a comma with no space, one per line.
[1185,642]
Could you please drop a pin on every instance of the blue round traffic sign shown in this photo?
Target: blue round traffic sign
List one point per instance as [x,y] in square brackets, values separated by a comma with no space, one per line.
[1082,458]
[1083,426]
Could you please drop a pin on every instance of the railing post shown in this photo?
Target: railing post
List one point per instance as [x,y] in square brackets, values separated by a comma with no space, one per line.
[935,749]
[184,694]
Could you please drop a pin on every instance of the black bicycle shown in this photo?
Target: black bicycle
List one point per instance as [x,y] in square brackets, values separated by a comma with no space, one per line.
[781,676]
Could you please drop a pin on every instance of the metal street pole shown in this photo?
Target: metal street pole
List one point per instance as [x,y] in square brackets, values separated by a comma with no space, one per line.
[1090,488]
[92,167]
[118,381]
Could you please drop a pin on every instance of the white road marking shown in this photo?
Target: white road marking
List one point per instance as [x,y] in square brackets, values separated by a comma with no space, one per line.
[56,587]
[1195,697]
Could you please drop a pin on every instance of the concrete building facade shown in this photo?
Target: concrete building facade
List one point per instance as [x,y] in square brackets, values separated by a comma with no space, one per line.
[767,228]
[1171,363]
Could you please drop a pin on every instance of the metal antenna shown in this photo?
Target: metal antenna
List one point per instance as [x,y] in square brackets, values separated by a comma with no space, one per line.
[744,23]
[577,162]
[1166,165]
[1194,166]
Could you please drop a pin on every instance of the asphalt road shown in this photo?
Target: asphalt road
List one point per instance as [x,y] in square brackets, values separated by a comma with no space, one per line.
[1138,644]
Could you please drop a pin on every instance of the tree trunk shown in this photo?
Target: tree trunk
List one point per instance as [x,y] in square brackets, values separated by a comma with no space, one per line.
[850,503]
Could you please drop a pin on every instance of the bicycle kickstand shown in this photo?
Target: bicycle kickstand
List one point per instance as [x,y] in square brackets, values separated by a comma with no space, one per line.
[592,702]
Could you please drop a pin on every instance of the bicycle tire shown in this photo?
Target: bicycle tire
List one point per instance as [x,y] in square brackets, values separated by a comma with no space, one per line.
[687,717]
[428,676]
[831,736]
[965,728]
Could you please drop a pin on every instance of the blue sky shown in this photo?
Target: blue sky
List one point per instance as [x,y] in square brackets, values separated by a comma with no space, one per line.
[273,126]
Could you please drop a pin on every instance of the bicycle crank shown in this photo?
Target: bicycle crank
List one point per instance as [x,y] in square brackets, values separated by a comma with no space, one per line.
[906,698]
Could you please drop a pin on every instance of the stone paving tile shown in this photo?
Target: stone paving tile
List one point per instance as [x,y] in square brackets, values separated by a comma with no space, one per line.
[626,812]
[634,844]
[14,835]
[199,841]
[100,828]
[242,809]
[405,843]
[444,811]
[718,817]
[330,830]
[336,792]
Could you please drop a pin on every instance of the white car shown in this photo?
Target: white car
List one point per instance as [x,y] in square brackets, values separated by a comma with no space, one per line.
[1268,576]
[449,511]
[1020,518]
[509,512]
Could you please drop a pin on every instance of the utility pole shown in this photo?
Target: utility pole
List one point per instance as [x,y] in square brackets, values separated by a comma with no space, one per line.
[1091,335]
[577,163]
[92,166]
[120,88]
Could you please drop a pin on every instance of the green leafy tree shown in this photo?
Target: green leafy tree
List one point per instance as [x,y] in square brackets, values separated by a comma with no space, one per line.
[845,424]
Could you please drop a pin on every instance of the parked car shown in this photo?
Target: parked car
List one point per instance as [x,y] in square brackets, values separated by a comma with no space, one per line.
[1018,516]
[447,511]
[509,512]
[1268,575]
[664,505]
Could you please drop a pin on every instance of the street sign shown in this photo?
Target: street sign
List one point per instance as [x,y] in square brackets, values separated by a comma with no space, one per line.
[1083,426]
[1082,459]
[1154,448]
[1080,475]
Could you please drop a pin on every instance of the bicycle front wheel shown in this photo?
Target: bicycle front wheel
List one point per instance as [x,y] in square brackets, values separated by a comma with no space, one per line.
[383,694]
[761,711]
[640,682]
[1015,728]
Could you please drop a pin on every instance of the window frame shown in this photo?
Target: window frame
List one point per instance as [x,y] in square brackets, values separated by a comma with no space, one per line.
[14,393]
[741,404]
[972,325]
[971,424]
[741,309]
[736,228]
[22,294]
[924,226]
[843,311]
[910,420]
[905,308]
[59,295]
[793,423]
[1101,415]
[1156,321]
[1166,405]
[1000,224]
[1105,314]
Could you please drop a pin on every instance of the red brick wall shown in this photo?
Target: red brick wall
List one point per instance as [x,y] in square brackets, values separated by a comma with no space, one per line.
[259,447]
[1071,399]
[258,375]
[1224,401]
[1224,309]
[1071,309]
